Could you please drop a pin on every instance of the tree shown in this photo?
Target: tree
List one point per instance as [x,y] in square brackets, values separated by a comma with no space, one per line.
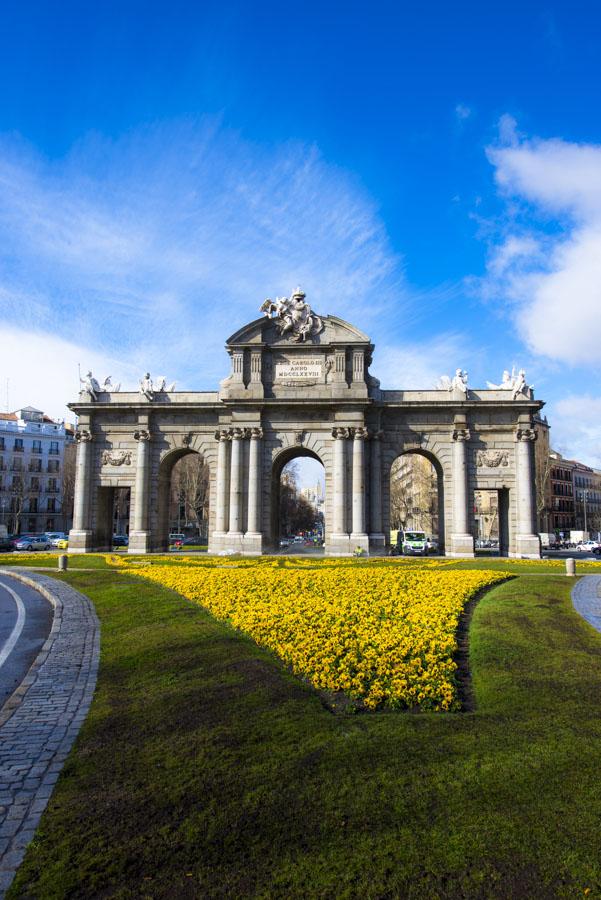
[542,474]
[68,484]
[414,494]
[190,493]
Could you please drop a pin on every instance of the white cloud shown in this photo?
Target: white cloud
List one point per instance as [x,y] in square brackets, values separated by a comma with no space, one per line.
[40,370]
[154,248]
[419,365]
[462,112]
[576,428]
[547,261]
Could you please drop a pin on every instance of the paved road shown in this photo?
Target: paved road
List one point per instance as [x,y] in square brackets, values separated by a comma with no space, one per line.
[25,622]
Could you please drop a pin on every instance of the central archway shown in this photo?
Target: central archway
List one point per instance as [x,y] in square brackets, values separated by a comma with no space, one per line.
[303,497]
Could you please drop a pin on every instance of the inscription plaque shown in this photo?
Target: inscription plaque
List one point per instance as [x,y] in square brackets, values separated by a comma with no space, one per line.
[298,370]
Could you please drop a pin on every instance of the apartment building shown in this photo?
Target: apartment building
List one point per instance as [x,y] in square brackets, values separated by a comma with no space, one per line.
[32,451]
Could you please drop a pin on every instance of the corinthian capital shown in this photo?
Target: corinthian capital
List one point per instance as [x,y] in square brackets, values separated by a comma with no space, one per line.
[525,434]
[341,433]
[461,434]
[256,433]
[360,434]
[83,437]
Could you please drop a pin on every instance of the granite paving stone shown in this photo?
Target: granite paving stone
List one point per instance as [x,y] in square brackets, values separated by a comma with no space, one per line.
[40,721]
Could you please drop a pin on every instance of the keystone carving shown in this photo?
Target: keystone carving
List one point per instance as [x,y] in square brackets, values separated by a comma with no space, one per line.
[461,434]
[142,435]
[525,434]
[83,437]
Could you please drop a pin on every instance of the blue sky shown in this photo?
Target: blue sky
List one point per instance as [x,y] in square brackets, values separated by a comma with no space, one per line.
[431,172]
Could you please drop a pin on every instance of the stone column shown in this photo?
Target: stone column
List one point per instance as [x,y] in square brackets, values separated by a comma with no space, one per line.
[358,535]
[462,543]
[139,538]
[527,539]
[80,534]
[235,528]
[254,487]
[376,537]
[222,485]
[339,537]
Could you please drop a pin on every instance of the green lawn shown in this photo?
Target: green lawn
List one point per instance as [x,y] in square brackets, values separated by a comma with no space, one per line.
[206,770]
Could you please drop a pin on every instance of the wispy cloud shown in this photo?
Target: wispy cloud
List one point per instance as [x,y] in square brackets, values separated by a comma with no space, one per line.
[462,112]
[155,247]
[546,257]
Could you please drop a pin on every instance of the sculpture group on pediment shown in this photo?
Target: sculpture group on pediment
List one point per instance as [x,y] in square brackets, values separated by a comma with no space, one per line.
[293,316]
[457,383]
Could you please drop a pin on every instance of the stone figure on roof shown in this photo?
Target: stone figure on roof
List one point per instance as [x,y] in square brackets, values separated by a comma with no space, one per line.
[90,385]
[147,387]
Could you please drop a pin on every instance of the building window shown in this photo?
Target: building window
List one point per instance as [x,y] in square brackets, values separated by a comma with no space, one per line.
[53,465]
[35,465]
[31,524]
[2,447]
[52,485]
[18,445]
[33,504]
[35,484]
[36,447]
[51,504]
[49,524]
[17,465]
[53,448]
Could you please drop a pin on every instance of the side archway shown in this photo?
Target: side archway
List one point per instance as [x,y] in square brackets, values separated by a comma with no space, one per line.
[416,494]
[182,496]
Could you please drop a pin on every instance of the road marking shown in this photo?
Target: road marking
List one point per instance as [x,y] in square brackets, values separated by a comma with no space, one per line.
[16,632]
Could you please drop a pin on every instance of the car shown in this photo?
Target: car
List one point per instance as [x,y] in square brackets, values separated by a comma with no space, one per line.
[284,543]
[596,550]
[177,538]
[35,542]
[587,546]
[120,540]
[62,544]
[54,536]
[6,545]
[192,541]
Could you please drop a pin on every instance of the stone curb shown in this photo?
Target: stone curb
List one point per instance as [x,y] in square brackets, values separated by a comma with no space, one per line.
[41,719]
[586,598]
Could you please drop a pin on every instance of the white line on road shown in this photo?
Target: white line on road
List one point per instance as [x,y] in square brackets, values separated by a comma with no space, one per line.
[16,632]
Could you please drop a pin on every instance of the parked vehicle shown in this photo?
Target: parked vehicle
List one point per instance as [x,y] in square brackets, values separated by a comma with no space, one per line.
[54,537]
[284,543]
[412,543]
[177,538]
[6,545]
[36,542]
[62,544]
[586,546]
[120,540]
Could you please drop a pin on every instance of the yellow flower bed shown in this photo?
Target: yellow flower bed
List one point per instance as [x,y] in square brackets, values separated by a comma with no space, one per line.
[384,636]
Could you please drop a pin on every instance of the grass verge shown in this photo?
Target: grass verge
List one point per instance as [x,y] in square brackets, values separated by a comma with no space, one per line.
[206,770]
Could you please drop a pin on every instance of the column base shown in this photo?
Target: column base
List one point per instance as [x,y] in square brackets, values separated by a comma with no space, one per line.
[338,545]
[460,545]
[80,541]
[527,546]
[377,541]
[223,542]
[139,542]
[253,543]
[359,540]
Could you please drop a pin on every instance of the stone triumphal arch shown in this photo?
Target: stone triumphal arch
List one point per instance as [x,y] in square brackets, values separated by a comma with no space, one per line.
[300,384]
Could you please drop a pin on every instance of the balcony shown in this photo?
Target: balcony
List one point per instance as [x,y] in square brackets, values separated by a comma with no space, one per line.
[17,449]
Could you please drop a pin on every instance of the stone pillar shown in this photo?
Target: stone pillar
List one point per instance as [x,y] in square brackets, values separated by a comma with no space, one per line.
[139,537]
[222,485]
[527,539]
[376,536]
[462,542]
[338,540]
[358,536]
[80,536]
[235,529]
[253,537]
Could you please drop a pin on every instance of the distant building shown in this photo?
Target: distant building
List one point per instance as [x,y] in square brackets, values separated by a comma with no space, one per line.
[315,496]
[563,517]
[32,450]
